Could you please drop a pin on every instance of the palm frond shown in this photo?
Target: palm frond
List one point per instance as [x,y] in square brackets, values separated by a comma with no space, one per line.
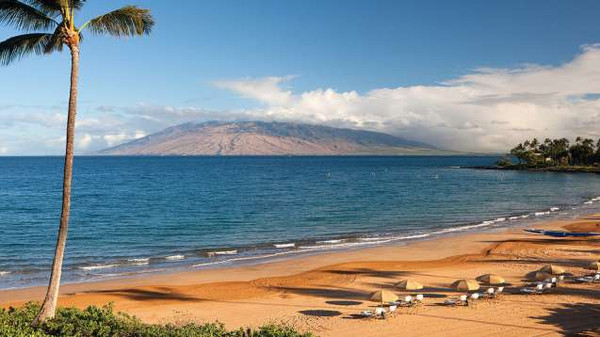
[55,42]
[23,16]
[19,46]
[127,21]
[57,5]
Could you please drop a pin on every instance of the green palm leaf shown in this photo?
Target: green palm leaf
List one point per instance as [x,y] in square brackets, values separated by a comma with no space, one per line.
[19,46]
[127,21]
[57,5]
[23,16]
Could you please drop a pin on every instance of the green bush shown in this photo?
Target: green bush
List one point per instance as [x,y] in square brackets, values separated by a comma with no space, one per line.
[103,322]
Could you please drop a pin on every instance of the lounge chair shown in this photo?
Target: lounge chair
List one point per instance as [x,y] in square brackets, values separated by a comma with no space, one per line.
[538,289]
[588,279]
[490,293]
[499,291]
[419,298]
[393,308]
[462,300]
[367,313]
[380,312]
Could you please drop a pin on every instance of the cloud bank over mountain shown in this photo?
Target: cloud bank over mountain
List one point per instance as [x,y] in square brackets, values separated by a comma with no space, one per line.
[486,110]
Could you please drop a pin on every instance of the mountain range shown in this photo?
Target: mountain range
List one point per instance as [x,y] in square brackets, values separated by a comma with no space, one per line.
[267,138]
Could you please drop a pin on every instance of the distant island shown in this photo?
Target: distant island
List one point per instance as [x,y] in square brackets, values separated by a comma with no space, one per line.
[553,155]
[268,138]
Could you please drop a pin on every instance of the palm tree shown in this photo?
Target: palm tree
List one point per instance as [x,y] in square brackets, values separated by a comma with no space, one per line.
[57,18]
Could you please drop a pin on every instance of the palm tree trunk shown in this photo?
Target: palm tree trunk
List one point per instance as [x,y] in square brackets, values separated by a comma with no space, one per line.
[49,306]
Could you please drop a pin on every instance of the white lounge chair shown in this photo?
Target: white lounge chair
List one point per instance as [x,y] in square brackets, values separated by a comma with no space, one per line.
[462,300]
[380,311]
[499,290]
[419,298]
[538,289]
[490,292]
[367,313]
[393,308]
[586,279]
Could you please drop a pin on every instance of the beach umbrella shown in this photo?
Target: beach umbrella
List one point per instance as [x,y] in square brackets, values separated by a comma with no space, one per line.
[409,285]
[594,266]
[465,285]
[541,275]
[383,296]
[491,279]
[553,269]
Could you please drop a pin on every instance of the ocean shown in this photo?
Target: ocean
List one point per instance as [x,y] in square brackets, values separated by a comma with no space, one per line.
[133,215]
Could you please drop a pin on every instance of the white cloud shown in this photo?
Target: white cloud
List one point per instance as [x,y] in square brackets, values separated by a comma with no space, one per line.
[487,110]
[115,138]
[84,141]
[266,90]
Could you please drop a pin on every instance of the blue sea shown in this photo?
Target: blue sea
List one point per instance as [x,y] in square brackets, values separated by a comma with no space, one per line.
[133,215]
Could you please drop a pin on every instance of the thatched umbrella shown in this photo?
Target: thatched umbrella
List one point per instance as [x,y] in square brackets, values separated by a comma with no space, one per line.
[541,275]
[465,285]
[491,279]
[383,296]
[409,285]
[553,269]
[594,266]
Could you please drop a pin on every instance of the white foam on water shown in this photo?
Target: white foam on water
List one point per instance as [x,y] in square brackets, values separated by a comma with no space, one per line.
[541,213]
[241,259]
[4,273]
[328,242]
[98,266]
[284,245]
[588,202]
[139,262]
[175,257]
[369,239]
[222,252]
[554,209]
[514,218]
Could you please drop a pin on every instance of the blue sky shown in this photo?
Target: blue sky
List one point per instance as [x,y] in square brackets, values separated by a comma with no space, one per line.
[199,49]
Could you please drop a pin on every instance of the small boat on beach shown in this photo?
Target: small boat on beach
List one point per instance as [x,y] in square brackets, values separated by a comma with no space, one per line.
[561,234]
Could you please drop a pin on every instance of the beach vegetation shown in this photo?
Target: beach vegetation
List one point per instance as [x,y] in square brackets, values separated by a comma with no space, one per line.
[49,26]
[104,322]
[553,153]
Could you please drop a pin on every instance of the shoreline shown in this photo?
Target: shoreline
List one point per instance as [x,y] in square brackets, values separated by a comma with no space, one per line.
[321,292]
[557,169]
[336,245]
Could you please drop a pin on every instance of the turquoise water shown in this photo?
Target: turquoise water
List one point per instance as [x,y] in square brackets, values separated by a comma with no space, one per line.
[144,214]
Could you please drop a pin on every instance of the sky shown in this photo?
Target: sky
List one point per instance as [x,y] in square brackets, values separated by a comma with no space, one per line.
[465,75]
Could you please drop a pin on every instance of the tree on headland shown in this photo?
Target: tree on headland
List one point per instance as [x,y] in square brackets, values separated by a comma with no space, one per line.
[556,152]
[57,19]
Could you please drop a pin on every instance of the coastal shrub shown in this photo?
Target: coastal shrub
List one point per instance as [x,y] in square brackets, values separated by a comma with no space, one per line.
[104,322]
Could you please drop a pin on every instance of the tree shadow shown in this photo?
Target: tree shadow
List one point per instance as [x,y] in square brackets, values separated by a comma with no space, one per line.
[325,292]
[320,313]
[162,294]
[573,318]
[370,272]
[344,303]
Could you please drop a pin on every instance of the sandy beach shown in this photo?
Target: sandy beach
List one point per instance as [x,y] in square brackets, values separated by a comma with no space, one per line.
[325,293]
